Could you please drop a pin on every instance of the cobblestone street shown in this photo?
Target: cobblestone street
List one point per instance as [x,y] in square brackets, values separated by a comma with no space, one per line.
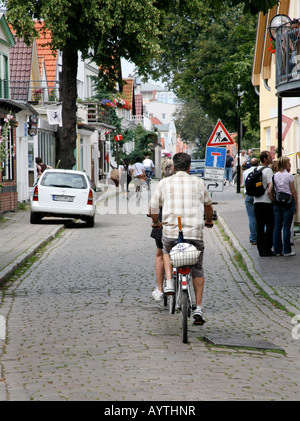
[82,325]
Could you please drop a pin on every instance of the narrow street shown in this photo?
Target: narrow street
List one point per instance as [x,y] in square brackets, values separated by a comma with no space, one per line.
[82,325]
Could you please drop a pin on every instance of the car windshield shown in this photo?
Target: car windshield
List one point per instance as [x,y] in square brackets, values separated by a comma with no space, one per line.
[59,179]
[197,164]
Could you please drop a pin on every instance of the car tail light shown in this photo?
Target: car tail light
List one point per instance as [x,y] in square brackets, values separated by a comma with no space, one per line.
[90,198]
[35,196]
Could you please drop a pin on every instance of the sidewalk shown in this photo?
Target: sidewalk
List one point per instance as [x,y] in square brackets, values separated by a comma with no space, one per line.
[19,240]
[279,277]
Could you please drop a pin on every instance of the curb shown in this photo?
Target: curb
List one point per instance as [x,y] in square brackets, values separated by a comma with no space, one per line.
[10,269]
[251,269]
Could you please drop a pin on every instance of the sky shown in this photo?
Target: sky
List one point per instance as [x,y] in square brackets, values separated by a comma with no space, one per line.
[127,68]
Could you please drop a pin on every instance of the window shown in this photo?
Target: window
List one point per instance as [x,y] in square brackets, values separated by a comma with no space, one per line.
[4,87]
[46,147]
[268,137]
[31,165]
[8,164]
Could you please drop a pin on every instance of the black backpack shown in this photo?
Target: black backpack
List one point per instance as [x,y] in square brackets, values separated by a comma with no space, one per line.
[253,183]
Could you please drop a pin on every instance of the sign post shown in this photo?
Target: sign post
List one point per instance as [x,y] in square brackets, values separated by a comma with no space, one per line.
[215,158]
[214,168]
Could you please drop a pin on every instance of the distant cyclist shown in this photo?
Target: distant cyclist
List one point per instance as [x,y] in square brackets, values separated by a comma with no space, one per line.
[186,196]
[149,167]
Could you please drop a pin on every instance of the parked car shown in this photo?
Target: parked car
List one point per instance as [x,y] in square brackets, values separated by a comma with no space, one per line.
[63,193]
[197,167]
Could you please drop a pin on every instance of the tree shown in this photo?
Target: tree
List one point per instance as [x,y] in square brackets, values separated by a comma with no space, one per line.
[252,6]
[144,141]
[102,30]
[194,126]
[207,59]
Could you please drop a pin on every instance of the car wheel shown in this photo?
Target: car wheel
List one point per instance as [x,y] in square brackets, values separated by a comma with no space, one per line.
[90,222]
[35,218]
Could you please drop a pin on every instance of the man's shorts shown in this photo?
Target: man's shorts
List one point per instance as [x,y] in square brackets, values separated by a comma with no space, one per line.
[197,270]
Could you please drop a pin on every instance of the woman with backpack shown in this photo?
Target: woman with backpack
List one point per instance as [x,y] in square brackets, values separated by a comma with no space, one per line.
[285,198]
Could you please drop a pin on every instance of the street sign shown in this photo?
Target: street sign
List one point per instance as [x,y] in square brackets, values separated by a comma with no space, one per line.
[215,174]
[220,136]
[215,159]
[213,185]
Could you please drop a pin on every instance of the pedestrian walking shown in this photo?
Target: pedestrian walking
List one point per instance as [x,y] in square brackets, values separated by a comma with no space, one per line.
[264,209]
[125,177]
[247,164]
[283,182]
[138,171]
[249,204]
[228,168]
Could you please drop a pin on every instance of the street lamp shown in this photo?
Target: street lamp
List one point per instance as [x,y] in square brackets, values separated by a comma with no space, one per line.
[275,23]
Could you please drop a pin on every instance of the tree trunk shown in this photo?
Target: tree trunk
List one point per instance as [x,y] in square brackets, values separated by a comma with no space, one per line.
[67,137]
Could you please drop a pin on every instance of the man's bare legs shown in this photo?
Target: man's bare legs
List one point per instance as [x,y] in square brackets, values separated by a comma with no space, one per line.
[159,269]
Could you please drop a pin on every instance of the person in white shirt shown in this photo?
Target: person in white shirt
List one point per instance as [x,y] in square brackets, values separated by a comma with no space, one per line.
[148,165]
[264,209]
[138,171]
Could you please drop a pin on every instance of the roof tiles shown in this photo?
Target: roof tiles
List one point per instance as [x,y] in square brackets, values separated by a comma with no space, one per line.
[44,50]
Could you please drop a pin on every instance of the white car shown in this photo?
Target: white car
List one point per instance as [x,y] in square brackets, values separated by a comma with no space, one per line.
[63,193]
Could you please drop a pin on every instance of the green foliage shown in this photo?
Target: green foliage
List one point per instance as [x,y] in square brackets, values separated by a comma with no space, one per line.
[207,59]
[194,126]
[193,42]
[252,6]
[103,30]
[144,141]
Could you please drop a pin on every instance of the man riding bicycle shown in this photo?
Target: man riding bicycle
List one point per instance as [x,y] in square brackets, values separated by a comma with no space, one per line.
[186,196]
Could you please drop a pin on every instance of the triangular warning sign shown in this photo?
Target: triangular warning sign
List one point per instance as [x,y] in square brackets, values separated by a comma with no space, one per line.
[220,136]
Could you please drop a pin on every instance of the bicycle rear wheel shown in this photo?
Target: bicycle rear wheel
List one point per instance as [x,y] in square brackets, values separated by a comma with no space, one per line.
[184,315]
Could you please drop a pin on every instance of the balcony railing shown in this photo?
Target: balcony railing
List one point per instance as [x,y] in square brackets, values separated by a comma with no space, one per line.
[31,91]
[97,113]
[288,59]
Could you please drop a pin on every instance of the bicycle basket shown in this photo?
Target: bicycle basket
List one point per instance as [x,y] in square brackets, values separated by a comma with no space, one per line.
[184,254]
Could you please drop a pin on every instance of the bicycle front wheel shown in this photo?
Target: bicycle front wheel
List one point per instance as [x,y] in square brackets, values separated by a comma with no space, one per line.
[184,314]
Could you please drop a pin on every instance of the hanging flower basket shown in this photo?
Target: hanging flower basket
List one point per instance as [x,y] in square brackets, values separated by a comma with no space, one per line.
[107,103]
[121,103]
[37,94]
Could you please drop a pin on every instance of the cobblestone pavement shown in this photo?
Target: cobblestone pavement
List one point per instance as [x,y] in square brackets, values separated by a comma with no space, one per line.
[81,323]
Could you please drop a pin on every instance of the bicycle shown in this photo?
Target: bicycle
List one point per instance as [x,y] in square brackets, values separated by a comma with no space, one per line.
[183,256]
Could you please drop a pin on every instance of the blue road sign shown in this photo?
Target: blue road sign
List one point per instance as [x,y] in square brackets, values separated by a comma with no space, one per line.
[215,157]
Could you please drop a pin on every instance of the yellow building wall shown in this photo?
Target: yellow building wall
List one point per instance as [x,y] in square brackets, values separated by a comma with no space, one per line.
[269,111]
